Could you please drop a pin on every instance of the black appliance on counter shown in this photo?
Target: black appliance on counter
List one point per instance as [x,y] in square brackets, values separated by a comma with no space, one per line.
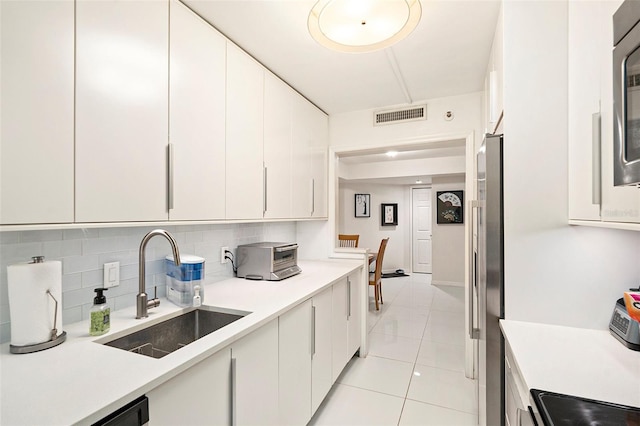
[555,409]
[623,327]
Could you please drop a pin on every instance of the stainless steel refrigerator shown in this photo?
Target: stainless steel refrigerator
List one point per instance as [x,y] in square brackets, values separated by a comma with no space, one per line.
[487,293]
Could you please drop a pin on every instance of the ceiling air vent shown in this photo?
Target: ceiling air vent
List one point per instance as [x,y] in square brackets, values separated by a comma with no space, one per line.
[400,115]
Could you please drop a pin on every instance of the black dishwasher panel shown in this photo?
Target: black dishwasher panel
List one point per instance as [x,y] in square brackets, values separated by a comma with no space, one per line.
[135,413]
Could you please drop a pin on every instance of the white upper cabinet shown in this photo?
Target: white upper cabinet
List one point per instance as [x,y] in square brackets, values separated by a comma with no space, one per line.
[121,110]
[310,144]
[494,82]
[244,141]
[140,111]
[36,165]
[197,71]
[620,204]
[592,196]
[278,99]
[319,162]
[586,40]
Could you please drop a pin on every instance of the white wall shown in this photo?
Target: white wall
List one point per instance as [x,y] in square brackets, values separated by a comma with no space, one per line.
[554,273]
[402,168]
[84,251]
[355,129]
[447,239]
[370,229]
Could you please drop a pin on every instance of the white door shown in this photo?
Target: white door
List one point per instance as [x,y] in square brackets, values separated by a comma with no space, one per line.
[421,230]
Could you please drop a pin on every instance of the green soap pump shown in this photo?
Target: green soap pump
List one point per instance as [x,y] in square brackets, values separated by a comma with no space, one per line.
[100,312]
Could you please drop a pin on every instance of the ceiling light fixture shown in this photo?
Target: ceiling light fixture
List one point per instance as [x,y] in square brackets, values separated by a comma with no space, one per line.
[392,154]
[357,26]
[418,181]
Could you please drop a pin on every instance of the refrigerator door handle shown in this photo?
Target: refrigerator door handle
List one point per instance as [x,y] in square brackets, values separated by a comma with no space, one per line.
[474,332]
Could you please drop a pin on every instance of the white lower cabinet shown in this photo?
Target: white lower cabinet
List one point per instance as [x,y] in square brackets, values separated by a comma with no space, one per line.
[305,358]
[256,377]
[516,400]
[277,375]
[296,349]
[202,394]
[321,374]
[345,323]
[234,386]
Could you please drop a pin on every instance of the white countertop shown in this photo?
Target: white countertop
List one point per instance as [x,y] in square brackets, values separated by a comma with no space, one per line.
[81,381]
[575,361]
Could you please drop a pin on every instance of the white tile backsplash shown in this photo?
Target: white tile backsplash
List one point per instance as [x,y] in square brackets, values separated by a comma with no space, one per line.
[84,251]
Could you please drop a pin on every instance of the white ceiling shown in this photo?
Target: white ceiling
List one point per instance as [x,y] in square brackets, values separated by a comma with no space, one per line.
[446,55]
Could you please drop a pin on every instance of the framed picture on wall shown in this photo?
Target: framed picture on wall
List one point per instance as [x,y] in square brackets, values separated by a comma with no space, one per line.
[450,208]
[363,205]
[389,214]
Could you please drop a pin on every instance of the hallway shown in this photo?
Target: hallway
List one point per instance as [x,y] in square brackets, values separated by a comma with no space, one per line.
[414,373]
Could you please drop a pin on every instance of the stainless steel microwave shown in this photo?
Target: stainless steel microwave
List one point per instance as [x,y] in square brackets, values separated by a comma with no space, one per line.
[626,94]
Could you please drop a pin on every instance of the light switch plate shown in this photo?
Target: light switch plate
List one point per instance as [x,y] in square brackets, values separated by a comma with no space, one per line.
[111,274]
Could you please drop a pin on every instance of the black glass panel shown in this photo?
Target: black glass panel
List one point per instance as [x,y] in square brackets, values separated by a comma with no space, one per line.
[561,410]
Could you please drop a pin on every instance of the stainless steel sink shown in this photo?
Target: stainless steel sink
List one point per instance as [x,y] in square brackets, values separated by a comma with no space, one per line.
[160,339]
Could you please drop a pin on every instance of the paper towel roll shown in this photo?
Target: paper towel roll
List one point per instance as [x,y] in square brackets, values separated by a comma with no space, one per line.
[32,309]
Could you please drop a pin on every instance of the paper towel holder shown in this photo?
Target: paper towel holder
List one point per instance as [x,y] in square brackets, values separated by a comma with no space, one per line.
[54,340]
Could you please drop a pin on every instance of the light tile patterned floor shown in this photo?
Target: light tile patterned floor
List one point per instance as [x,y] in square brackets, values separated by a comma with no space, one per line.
[414,374]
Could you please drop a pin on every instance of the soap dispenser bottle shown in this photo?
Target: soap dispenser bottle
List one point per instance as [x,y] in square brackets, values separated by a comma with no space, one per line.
[100,313]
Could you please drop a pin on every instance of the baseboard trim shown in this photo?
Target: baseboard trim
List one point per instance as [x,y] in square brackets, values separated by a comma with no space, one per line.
[448,283]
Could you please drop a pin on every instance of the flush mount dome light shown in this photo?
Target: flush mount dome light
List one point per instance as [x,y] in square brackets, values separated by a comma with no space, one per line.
[357,26]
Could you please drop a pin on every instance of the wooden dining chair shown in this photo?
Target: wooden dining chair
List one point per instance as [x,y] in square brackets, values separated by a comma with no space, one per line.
[348,240]
[375,278]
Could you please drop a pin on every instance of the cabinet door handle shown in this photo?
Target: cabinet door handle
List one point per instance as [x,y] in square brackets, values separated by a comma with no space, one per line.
[596,140]
[233,392]
[474,333]
[348,298]
[170,162]
[313,330]
[264,206]
[313,196]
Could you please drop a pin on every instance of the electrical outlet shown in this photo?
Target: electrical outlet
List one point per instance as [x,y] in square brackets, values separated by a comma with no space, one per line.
[111,274]
[223,254]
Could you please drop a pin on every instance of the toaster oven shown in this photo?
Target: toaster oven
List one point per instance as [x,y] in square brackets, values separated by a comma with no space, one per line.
[267,261]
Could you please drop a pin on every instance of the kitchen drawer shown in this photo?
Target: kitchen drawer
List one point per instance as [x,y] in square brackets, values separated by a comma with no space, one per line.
[516,394]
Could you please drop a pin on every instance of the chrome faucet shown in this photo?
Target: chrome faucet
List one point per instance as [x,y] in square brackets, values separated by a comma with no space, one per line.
[142,302]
